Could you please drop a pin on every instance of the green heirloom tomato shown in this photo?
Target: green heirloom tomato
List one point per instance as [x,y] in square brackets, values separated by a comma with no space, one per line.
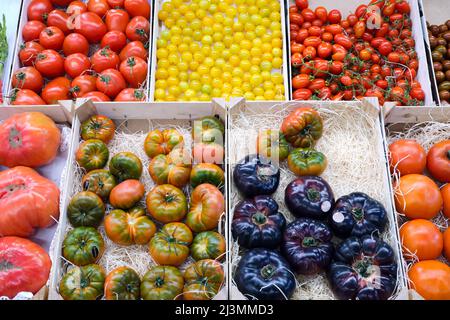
[86,209]
[209,129]
[208,245]
[271,142]
[166,203]
[123,283]
[203,280]
[101,182]
[92,154]
[162,142]
[125,165]
[207,205]
[162,283]
[83,283]
[98,127]
[127,228]
[307,162]
[207,173]
[83,246]
[174,168]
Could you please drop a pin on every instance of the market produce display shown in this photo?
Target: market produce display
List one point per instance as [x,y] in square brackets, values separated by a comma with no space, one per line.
[92,49]
[209,49]
[439,38]
[142,234]
[339,240]
[369,53]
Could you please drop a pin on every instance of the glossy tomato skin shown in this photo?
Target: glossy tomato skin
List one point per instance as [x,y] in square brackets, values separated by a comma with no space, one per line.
[98,127]
[447,243]
[50,64]
[307,246]
[125,165]
[60,19]
[115,40]
[207,173]
[166,203]
[357,262]
[138,29]
[174,169]
[21,139]
[27,266]
[100,181]
[137,8]
[169,246]
[83,84]
[86,209]
[134,70]
[76,7]
[307,161]
[131,94]
[56,90]
[117,19]
[208,245]
[203,280]
[28,78]
[39,9]
[96,96]
[51,38]
[309,197]
[208,153]
[92,154]
[261,272]
[29,52]
[91,26]
[439,161]
[126,194]
[258,223]
[76,64]
[293,127]
[99,7]
[162,142]
[357,214]
[22,97]
[83,246]
[134,49]
[421,239]
[83,283]
[127,228]
[123,283]
[32,29]
[272,140]
[445,192]
[162,283]
[206,207]
[407,156]
[111,82]
[75,43]
[255,175]
[104,59]
[418,197]
[431,279]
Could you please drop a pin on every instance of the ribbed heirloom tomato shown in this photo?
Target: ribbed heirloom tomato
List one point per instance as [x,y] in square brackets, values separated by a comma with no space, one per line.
[422,239]
[407,156]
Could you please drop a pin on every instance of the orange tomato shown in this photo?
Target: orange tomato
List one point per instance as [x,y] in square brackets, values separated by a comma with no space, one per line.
[431,279]
[421,238]
[126,194]
[417,197]
[407,157]
[445,192]
[447,243]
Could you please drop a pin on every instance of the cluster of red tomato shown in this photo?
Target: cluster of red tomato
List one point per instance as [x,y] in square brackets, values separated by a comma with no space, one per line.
[58,41]
[419,198]
[344,59]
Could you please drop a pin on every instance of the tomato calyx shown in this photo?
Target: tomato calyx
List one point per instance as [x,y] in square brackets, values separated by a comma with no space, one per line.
[268,271]
[309,242]
[364,267]
[358,213]
[131,62]
[169,198]
[259,218]
[448,154]
[139,94]
[313,195]
[159,282]
[15,136]
[141,33]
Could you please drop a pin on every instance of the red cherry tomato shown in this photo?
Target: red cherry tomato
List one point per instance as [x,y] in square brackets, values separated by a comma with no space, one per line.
[308,15]
[301,4]
[321,13]
[343,40]
[302,94]
[300,81]
[296,18]
[76,7]
[334,16]
[385,48]
[324,50]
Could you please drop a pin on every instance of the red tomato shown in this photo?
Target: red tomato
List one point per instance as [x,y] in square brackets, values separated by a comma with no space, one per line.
[50,64]
[104,59]
[422,239]
[117,19]
[300,81]
[324,93]
[417,93]
[438,161]
[138,29]
[56,90]
[39,9]
[324,50]
[343,40]
[301,4]
[131,94]
[75,43]
[334,16]
[99,7]
[385,48]
[61,3]
[293,8]
[116,3]
[403,7]
[327,37]
[317,84]
[134,49]
[383,84]
[134,70]
[28,78]
[312,41]
[407,157]
[302,35]
[397,93]
[76,64]
[321,13]
[383,31]
[388,9]
[31,30]
[52,38]
[309,53]
[28,53]
[352,19]
[110,82]
[91,26]
[115,40]
[336,67]
[308,15]
[447,241]
[346,80]
[296,18]
[315,31]
[296,59]
[25,97]
[76,7]
[359,28]
[334,29]
[361,11]
[58,18]
[97,96]
[302,94]
[297,47]
[138,8]
[82,85]
[445,192]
